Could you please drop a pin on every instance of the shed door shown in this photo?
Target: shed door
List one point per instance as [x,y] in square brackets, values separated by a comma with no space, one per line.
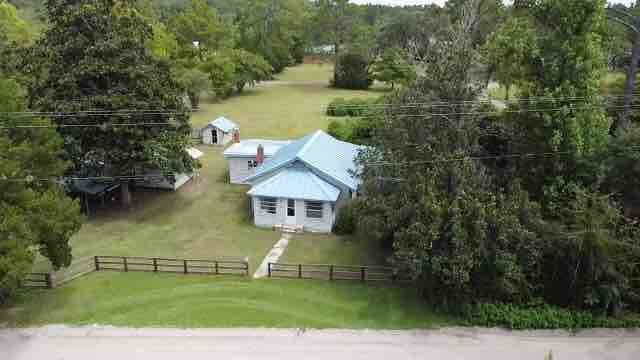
[214,136]
[291,212]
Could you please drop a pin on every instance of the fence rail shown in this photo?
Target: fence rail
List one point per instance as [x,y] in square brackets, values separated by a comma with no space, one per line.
[223,266]
[178,266]
[335,272]
[37,280]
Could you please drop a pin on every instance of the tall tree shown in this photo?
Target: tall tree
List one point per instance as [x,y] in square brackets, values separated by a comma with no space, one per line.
[201,31]
[563,61]
[35,214]
[335,18]
[272,29]
[631,21]
[95,56]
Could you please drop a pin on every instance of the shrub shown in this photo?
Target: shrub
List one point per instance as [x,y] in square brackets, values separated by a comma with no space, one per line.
[352,107]
[341,130]
[353,73]
[543,316]
[337,107]
[346,221]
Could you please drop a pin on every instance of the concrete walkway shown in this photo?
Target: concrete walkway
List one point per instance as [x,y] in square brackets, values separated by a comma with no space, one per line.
[107,343]
[273,256]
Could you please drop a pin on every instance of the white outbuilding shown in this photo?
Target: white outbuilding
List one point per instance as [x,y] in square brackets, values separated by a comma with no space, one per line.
[219,132]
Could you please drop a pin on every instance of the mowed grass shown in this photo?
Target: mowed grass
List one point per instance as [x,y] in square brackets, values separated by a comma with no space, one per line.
[165,300]
[286,110]
[332,249]
[206,219]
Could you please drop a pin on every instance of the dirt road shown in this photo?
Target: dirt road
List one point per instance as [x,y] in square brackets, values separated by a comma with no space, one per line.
[98,343]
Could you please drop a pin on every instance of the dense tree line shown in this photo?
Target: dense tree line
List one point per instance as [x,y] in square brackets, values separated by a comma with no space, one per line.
[536,202]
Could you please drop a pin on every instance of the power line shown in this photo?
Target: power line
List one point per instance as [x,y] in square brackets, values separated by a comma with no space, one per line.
[467,158]
[103,126]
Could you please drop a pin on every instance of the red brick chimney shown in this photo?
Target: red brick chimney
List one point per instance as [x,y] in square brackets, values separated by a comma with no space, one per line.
[260,155]
[236,136]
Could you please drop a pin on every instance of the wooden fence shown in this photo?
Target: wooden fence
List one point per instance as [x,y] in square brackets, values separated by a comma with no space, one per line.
[50,280]
[37,280]
[335,272]
[179,266]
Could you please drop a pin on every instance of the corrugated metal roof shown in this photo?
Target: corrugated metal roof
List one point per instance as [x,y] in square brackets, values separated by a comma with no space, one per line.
[249,147]
[224,124]
[296,182]
[325,154]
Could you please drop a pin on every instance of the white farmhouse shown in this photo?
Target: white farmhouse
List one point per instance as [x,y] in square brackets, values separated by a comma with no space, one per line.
[219,132]
[246,155]
[304,184]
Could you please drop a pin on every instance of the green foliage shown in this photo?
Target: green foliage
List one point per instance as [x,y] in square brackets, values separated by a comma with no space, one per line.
[393,68]
[221,70]
[543,316]
[36,215]
[352,107]
[559,62]
[195,82]
[272,29]
[95,56]
[249,69]
[346,220]
[12,27]
[352,72]
[200,23]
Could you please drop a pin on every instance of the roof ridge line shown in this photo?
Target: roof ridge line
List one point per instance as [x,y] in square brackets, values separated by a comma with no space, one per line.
[304,149]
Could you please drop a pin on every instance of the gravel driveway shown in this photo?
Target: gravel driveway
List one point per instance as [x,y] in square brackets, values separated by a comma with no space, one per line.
[97,343]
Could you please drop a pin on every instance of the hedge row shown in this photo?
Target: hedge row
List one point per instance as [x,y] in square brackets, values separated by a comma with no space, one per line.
[544,317]
[351,107]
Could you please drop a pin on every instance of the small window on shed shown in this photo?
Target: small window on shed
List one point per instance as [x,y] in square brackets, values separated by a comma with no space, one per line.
[252,164]
[268,205]
[314,209]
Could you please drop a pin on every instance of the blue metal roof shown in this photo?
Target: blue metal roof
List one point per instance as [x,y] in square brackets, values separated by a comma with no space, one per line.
[296,182]
[224,124]
[324,154]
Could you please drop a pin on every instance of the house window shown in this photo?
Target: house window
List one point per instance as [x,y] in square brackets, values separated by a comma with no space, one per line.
[314,209]
[252,164]
[269,205]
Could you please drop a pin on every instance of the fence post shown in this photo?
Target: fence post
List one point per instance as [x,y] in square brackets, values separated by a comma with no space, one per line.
[155,265]
[97,263]
[268,269]
[363,273]
[299,271]
[217,268]
[246,264]
[126,265]
[48,280]
[330,272]
[186,270]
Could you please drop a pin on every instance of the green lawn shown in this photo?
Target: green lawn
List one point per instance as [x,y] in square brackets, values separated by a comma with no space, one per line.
[209,218]
[281,111]
[332,249]
[206,219]
[164,300]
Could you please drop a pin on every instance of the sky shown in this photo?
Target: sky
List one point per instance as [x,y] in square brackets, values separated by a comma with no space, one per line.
[439,2]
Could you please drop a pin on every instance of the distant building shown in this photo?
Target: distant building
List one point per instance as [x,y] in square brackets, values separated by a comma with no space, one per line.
[304,184]
[219,132]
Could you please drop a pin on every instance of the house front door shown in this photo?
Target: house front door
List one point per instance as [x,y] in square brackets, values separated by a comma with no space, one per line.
[291,212]
[214,136]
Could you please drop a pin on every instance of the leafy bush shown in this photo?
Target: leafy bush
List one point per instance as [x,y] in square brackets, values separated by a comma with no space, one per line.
[543,316]
[352,107]
[353,73]
[346,221]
